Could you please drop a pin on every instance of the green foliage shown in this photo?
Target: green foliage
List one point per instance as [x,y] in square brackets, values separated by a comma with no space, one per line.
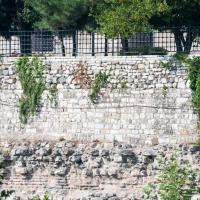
[176,181]
[164,90]
[3,193]
[12,15]
[100,81]
[45,197]
[146,50]
[193,65]
[53,94]
[123,84]
[62,14]
[36,197]
[122,18]
[30,72]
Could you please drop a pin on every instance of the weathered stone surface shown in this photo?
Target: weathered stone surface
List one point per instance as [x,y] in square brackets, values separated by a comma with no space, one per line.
[140,112]
[107,171]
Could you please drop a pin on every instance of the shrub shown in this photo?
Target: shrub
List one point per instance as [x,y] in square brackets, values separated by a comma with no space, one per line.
[146,50]
[176,181]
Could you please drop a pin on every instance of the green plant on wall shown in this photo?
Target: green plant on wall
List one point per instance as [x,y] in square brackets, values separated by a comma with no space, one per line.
[176,181]
[45,197]
[123,84]
[53,91]
[30,72]
[193,65]
[164,91]
[99,82]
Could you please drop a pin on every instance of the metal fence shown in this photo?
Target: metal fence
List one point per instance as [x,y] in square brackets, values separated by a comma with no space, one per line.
[80,43]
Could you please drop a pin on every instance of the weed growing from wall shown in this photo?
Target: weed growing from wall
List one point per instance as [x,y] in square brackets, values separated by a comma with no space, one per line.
[81,76]
[30,72]
[45,197]
[164,91]
[123,84]
[53,95]
[99,82]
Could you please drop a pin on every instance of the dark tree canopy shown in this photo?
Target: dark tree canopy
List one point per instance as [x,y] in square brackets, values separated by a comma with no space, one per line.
[62,14]
[12,15]
[182,18]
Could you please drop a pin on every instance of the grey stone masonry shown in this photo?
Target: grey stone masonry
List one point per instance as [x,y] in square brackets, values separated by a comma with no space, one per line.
[74,171]
[143,102]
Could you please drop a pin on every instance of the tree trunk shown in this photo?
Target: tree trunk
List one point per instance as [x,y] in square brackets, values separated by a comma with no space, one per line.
[189,40]
[124,46]
[178,36]
[184,44]
[188,44]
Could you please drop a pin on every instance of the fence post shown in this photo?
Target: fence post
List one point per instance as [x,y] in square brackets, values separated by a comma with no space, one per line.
[74,39]
[9,39]
[93,44]
[112,47]
[42,41]
[106,47]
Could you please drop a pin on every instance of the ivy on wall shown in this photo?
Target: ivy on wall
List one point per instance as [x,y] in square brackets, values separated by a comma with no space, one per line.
[30,72]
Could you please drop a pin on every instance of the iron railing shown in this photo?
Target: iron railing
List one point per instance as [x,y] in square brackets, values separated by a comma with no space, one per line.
[79,43]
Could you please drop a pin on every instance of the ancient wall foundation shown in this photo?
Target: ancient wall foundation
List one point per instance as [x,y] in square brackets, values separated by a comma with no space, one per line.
[73,171]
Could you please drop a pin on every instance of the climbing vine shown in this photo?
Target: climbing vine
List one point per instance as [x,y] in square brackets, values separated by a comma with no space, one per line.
[99,82]
[30,72]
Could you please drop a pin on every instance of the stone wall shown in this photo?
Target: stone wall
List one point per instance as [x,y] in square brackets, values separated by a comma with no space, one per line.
[153,106]
[90,171]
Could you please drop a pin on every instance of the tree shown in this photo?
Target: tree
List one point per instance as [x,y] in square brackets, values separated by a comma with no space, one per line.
[62,14]
[12,19]
[7,14]
[124,17]
[182,18]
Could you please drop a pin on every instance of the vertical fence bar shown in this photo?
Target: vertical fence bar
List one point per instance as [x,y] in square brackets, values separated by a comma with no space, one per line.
[106,47]
[93,44]
[9,40]
[113,47]
[74,38]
